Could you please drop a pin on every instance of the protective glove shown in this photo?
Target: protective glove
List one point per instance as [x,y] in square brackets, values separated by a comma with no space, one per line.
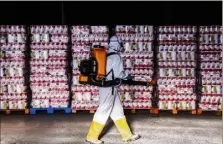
[129,77]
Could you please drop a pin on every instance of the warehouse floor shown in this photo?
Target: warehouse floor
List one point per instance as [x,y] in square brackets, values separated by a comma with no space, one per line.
[72,129]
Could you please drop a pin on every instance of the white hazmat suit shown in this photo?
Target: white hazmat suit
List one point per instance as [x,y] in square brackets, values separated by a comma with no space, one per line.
[109,101]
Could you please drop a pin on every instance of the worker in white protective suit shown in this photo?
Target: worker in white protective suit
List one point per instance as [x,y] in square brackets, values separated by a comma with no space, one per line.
[109,101]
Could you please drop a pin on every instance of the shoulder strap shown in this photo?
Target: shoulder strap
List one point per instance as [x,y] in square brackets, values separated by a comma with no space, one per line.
[112,53]
[111,71]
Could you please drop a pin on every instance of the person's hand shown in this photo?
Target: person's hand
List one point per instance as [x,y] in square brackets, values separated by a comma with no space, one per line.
[129,77]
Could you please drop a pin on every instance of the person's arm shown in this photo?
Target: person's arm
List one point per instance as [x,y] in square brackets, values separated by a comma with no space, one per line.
[119,72]
[118,68]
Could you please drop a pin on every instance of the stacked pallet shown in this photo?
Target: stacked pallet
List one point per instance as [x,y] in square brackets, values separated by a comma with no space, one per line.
[85,97]
[176,68]
[49,64]
[13,91]
[210,68]
[138,61]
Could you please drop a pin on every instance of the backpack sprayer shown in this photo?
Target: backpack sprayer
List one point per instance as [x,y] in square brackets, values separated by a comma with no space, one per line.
[93,71]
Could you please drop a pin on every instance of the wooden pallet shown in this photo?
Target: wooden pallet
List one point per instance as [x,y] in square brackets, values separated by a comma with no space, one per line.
[133,111]
[174,111]
[154,111]
[9,111]
[217,112]
[33,111]
[76,110]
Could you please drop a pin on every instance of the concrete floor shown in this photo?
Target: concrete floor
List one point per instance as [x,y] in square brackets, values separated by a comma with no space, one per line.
[72,129]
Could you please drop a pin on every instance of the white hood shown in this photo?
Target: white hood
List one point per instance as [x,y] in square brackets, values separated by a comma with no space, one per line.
[114,45]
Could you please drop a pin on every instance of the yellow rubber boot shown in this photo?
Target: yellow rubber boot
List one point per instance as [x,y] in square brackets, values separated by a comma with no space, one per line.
[94,132]
[124,129]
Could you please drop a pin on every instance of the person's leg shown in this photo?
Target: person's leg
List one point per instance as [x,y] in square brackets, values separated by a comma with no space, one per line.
[106,103]
[117,111]
[117,115]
